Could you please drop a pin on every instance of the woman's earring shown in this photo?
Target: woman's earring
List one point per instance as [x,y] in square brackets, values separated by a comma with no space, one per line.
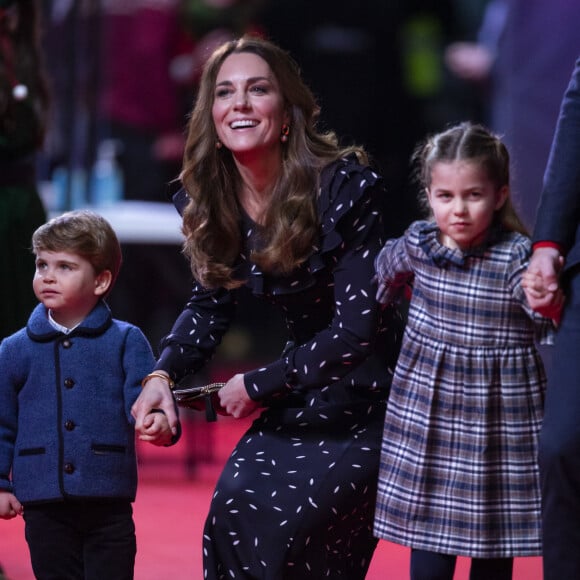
[218,144]
[285,133]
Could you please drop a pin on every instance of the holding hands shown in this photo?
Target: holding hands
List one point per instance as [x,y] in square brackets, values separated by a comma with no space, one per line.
[156,429]
[154,411]
[540,282]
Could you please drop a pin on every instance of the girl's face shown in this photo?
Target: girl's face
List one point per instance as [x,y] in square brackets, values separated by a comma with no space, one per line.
[248,108]
[464,201]
[67,285]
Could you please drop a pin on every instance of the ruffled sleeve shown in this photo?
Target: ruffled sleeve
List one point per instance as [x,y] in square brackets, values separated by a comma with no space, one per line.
[344,184]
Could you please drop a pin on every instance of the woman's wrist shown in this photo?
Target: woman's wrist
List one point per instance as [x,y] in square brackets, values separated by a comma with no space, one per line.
[158,375]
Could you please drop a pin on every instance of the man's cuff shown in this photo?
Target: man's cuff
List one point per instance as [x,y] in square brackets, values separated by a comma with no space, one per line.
[548,244]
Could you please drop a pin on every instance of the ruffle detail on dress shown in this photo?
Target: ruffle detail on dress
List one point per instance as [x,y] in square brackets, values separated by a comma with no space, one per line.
[428,239]
[343,183]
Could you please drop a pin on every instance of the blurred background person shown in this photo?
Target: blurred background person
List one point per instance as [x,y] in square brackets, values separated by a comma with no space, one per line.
[522,61]
[142,104]
[378,71]
[24,102]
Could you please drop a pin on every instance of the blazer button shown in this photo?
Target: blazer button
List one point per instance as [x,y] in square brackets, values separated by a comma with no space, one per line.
[69,468]
[69,425]
[66,343]
[69,383]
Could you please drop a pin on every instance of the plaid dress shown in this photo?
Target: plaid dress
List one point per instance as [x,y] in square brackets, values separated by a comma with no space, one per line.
[458,472]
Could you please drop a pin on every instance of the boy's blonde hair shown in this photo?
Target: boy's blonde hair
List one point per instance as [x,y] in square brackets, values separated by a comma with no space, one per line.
[85,233]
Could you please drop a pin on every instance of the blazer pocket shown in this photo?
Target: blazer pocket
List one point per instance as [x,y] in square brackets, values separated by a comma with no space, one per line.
[105,449]
[32,451]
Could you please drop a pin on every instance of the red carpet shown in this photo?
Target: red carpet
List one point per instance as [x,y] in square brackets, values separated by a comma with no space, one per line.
[175,490]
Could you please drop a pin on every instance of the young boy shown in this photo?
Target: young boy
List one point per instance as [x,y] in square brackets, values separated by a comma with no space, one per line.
[67,384]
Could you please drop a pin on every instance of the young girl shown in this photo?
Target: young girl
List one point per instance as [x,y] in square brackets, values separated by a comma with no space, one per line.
[458,473]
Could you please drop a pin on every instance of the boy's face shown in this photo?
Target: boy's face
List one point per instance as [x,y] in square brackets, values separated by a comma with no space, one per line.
[67,285]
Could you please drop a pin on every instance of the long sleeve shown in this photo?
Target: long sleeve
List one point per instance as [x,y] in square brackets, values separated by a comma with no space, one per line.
[393,270]
[558,213]
[339,347]
[11,378]
[137,361]
[197,332]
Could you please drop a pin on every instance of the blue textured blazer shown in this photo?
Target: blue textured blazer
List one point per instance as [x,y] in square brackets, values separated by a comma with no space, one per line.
[558,218]
[66,429]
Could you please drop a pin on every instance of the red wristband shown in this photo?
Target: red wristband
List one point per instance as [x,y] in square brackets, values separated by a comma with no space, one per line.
[547,244]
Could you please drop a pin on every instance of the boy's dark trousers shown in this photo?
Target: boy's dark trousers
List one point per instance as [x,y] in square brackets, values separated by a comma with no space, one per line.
[81,540]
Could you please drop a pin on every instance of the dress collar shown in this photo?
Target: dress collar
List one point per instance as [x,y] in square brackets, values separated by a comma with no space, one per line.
[442,255]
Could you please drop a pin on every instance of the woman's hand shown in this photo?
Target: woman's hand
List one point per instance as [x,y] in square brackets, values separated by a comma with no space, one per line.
[234,398]
[156,394]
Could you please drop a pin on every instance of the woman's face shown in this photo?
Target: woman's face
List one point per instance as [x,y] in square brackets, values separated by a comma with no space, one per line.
[248,108]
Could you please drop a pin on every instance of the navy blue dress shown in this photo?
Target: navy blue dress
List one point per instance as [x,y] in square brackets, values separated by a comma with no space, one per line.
[296,498]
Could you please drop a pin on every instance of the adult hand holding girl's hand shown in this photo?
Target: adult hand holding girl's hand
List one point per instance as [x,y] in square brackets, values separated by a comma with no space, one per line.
[540,282]
[234,398]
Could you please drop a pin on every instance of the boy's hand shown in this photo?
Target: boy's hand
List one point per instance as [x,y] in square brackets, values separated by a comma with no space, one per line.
[156,394]
[156,429]
[10,507]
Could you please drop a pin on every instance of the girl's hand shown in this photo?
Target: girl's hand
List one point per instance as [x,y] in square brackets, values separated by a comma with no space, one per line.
[156,429]
[10,507]
[540,282]
[542,296]
[535,286]
[234,398]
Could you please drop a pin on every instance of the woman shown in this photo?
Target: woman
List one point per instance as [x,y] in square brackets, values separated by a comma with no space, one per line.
[271,204]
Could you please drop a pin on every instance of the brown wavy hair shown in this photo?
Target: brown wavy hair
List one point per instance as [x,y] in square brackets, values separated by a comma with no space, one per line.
[210,177]
[475,143]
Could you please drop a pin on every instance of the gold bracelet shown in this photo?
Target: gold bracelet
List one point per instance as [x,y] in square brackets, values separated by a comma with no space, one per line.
[152,375]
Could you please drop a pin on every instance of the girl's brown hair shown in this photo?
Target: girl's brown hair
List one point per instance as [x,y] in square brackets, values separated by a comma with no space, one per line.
[211,179]
[473,143]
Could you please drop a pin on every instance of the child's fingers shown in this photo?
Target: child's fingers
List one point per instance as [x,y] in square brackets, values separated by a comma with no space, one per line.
[148,437]
[534,293]
[148,420]
[160,439]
